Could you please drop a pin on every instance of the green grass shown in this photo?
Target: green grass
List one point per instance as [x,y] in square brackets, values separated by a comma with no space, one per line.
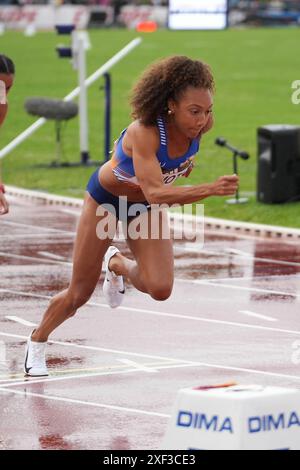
[254,69]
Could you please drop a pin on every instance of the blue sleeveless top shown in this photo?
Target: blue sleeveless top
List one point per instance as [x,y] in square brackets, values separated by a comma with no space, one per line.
[172,168]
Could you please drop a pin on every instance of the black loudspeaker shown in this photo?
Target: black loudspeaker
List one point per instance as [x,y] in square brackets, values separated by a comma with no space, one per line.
[278,177]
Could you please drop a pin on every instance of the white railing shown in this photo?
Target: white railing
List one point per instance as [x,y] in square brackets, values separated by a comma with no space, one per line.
[89,81]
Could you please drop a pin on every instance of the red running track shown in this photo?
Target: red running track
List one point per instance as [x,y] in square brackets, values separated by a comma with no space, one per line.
[233,316]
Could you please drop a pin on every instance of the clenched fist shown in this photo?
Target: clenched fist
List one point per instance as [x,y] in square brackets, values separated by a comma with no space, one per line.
[226,185]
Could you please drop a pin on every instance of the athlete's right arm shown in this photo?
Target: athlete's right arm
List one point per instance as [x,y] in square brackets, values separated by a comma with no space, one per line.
[148,172]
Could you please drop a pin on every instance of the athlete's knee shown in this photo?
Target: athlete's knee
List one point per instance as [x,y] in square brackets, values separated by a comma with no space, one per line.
[160,291]
[79,297]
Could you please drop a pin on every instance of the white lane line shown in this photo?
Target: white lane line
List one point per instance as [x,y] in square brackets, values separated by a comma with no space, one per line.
[96,348]
[251,289]
[240,369]
[86,403]
[189,281]
[140,367]
[254,258]
[70,211]
[201,319]
[20,320]
[258,315]
[269,277]
[241,236]
[45,229]
[217,279]
[55,378]
[186,363]
[191,249]
[34,235]
[237,279]
[8,376]
[51,255]
[170,315]
[206,251]
[191,364]
[26,294]
[32,258]
[237,228]
[232,251]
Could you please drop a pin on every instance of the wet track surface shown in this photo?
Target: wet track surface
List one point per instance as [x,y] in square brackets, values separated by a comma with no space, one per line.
[233,316]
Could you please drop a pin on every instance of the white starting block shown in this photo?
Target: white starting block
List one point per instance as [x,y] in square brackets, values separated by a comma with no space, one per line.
[235,417]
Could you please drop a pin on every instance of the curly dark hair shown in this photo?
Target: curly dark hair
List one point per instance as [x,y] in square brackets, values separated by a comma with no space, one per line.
[164,80]
[6,65]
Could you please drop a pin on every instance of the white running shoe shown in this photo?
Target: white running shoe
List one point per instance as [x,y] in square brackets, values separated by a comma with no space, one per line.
[113,286]
[35,361]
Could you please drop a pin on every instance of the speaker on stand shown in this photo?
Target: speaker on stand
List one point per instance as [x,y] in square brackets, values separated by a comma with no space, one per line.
[278,176]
